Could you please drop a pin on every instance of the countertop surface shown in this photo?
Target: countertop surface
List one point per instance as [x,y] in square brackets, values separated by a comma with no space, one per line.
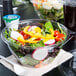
[27,12]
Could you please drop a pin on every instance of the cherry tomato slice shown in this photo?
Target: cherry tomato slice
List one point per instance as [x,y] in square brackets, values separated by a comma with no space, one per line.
[60,37]
[26,36]
[56,33]
[22,33]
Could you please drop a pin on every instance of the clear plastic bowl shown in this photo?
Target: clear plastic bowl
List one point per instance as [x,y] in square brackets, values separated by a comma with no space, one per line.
[13,47]
[49,9]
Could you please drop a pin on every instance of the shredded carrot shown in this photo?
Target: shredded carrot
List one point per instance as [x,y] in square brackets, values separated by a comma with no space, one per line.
[41,64]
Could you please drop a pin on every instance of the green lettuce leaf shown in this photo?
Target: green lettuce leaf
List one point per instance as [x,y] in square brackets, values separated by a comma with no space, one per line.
[48,25]
[39,44]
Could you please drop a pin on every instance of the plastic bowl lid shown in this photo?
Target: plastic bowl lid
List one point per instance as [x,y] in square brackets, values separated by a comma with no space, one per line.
[11,17]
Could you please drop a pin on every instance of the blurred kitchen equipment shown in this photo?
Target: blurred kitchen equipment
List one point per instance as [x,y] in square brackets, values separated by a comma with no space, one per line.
[7,9]
[16,3]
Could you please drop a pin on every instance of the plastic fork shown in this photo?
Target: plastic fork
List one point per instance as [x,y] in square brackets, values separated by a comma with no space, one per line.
[17,68]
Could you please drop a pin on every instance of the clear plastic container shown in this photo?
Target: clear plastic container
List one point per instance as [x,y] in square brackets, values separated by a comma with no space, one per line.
[26,58]
[49,9]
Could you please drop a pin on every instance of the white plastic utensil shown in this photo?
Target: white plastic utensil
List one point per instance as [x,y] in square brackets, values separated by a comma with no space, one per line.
[17,68]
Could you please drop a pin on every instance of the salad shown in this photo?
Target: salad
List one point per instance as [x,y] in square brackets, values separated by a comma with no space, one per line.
[49,9]
[29,42]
